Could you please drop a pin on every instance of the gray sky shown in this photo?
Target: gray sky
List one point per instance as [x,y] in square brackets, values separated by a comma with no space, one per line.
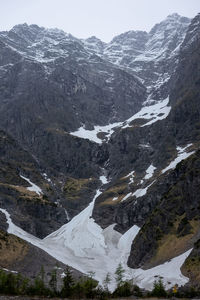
[102,18]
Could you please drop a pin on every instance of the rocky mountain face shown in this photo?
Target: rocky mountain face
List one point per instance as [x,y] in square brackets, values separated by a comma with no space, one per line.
[152,56]
[168,210]
[32,208]
[123,117]
[185,118]
[51,85]
[135,149]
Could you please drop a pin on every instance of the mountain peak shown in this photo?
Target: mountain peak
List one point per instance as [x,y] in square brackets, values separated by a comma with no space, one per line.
[174,16]
[25,27]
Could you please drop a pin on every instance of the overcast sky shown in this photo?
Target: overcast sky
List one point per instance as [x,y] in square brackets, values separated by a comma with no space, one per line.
[102,18]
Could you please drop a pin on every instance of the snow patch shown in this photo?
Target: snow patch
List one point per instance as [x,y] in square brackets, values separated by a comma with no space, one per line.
[46,177]
[115,199]
[126,197]
[131,177]
[92,134]
[103,179]
[169,271]
[149,172]
[182,154]
[33,187]
[11,271]
[141,192]
[154,113]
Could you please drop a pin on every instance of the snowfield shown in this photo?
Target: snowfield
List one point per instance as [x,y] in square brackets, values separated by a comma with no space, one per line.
[153,113]
[85,246]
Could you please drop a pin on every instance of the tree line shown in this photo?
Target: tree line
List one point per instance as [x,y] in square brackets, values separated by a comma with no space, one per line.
[85,287]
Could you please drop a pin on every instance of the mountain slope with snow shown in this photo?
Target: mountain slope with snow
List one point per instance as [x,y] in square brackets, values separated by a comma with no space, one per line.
[113,134]
[83,245]
[152,56]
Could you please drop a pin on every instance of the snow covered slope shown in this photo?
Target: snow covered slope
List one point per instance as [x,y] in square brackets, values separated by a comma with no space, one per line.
[84,245]
[151,56]
[155,112]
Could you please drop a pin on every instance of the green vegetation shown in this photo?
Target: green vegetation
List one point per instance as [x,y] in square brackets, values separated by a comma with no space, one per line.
[158,289]
[73,186]
[15,284]
[119,274]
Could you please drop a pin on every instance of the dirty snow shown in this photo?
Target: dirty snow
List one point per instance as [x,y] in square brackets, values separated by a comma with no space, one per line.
[33,187]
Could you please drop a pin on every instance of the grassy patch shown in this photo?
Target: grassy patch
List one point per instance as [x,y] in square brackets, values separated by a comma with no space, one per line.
[12,249]
[172,245]
[73,186]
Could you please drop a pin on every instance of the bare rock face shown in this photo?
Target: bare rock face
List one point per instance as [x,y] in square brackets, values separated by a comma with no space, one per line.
[176,216]
[36,213]
[152,56]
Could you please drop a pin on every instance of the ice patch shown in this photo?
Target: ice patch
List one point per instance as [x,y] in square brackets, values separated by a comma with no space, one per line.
[33,187]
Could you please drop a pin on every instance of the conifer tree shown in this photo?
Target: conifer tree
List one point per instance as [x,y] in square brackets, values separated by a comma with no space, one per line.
[119,275]
[53,281]
[106,282]
[158,289]
[68,283]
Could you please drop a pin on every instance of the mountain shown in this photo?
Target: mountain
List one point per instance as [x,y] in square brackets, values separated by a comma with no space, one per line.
[151,56]
[26,191]
[185,119]
[100,148]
